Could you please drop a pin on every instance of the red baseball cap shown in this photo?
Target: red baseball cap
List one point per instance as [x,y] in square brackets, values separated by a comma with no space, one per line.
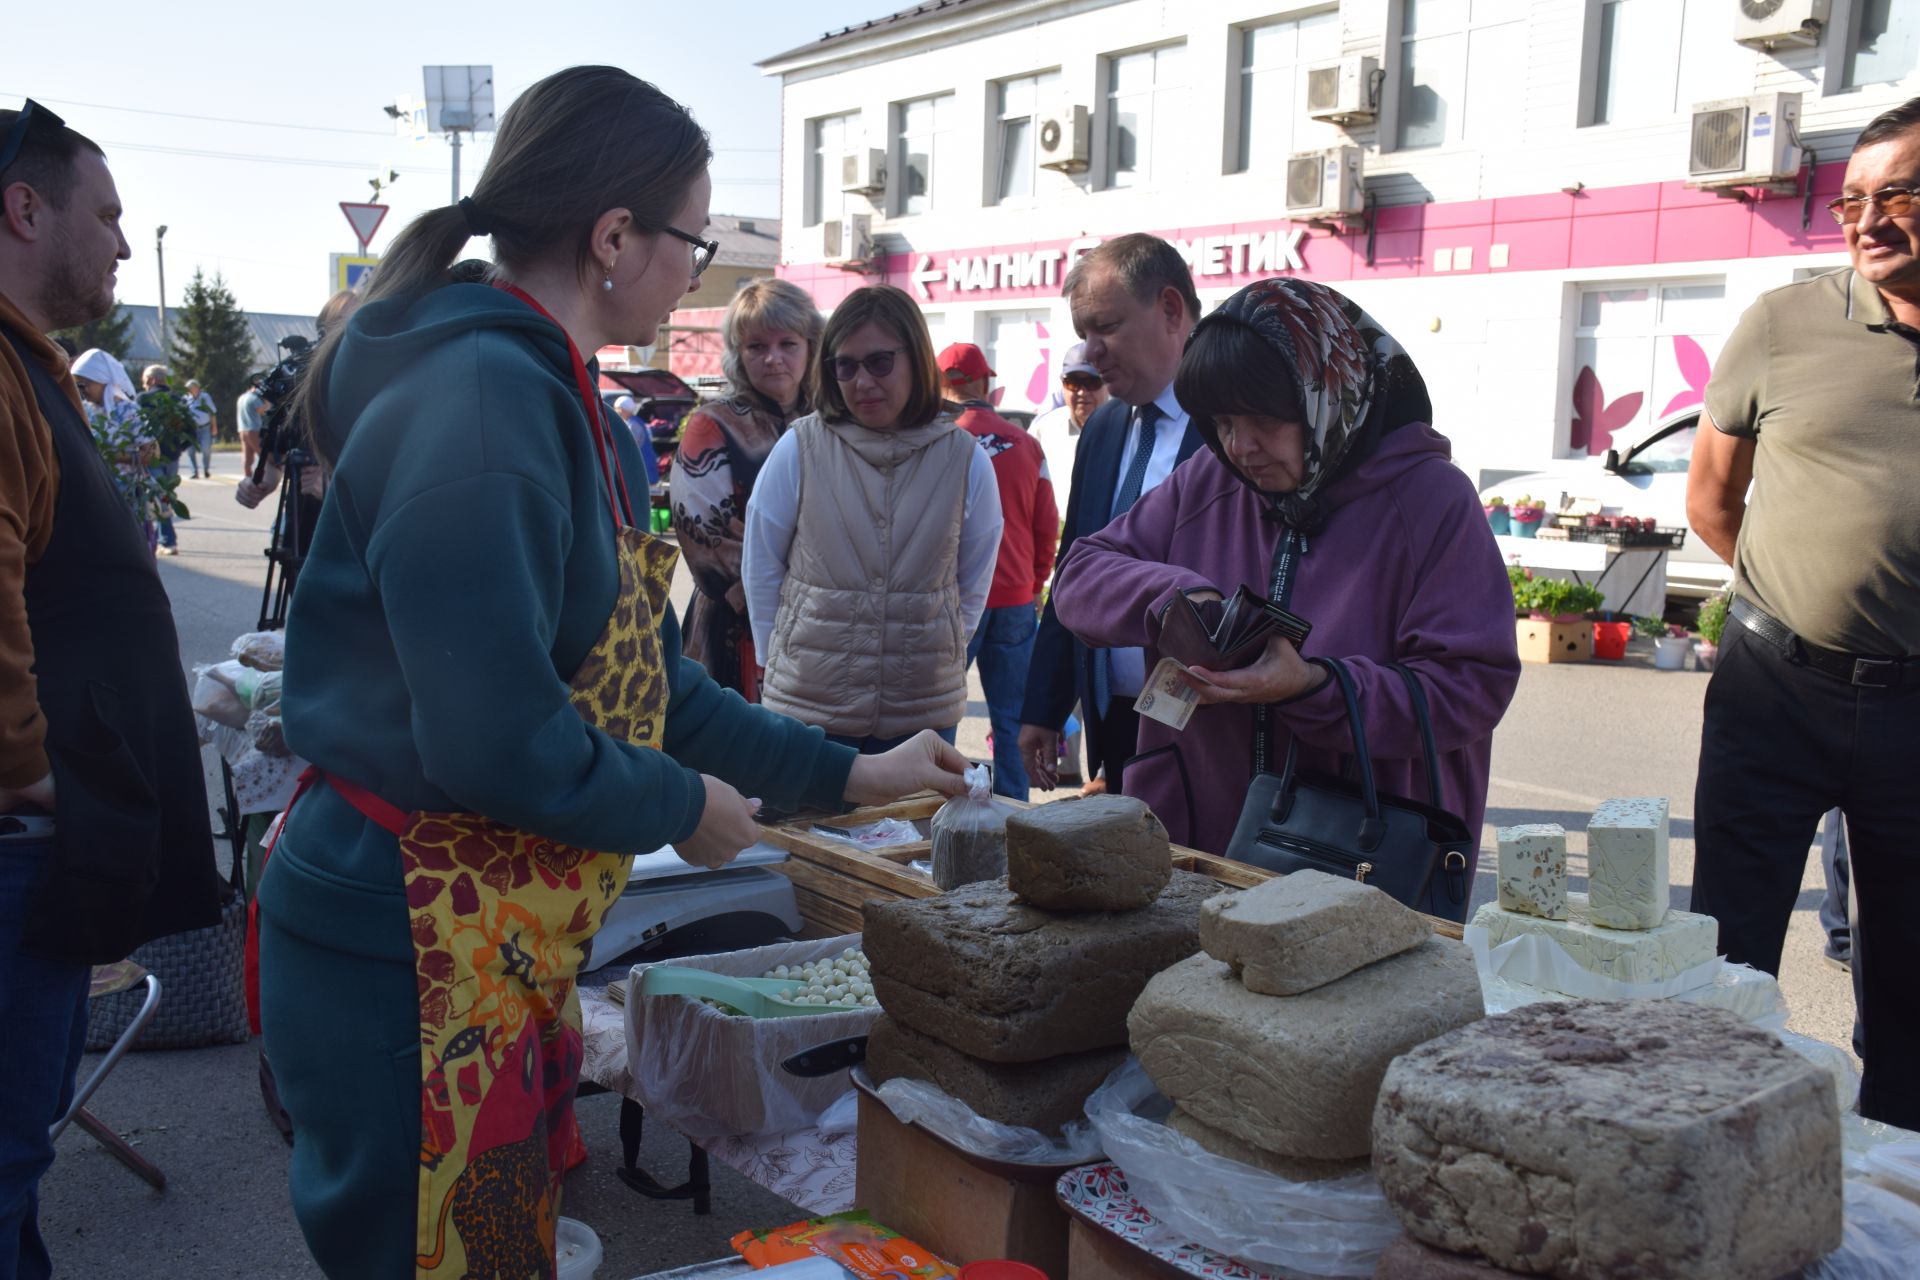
[964,362]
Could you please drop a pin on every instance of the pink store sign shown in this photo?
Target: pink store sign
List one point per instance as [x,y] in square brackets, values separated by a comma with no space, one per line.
[1648,224]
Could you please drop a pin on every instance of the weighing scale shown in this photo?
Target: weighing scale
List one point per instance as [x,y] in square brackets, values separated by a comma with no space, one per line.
[667,901]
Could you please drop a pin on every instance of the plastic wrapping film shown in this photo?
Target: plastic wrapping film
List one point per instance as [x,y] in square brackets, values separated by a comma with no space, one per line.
[970,834]
[1332,1228]
[261,650]
[1879,1241]
[932,1108]
[713,1075]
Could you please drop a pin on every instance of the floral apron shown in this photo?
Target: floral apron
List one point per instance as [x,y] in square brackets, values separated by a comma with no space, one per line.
[501,919]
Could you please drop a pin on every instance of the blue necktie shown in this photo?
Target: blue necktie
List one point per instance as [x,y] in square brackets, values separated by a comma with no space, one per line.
[1147,415]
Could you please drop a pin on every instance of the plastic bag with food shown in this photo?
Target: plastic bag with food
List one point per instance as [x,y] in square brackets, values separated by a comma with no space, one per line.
[970,834]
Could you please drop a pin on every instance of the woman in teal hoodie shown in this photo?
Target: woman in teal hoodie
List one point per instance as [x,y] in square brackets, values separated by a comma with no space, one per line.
[484,670]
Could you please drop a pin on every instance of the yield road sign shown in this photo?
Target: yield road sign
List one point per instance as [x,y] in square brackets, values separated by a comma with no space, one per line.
[365,219]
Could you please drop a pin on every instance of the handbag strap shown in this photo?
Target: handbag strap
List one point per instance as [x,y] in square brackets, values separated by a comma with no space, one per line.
[1286,554]
[1363,760]
[1425,718]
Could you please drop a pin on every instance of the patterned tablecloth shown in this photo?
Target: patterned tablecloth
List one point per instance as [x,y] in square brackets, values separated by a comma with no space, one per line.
[811,1168]
[1097,1195]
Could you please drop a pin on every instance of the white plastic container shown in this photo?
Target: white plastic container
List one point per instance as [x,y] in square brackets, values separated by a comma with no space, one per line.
[1670,653]
[578,1247]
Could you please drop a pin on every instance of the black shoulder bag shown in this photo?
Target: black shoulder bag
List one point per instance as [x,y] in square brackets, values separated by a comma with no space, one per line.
[1304,818]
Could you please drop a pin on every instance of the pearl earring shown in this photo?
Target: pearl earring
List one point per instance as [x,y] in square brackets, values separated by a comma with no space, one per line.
[607,284]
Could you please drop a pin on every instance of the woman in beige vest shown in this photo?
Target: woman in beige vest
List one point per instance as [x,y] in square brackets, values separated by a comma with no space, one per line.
[871,538]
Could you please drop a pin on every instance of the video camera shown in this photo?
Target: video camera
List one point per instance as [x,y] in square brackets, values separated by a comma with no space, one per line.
[277,385]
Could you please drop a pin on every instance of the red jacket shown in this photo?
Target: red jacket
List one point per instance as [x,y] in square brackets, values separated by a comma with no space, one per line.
[1030,532]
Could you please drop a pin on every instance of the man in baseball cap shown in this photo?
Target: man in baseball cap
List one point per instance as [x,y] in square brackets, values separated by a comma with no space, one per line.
[963,363]
[1058,430]
[1030,530]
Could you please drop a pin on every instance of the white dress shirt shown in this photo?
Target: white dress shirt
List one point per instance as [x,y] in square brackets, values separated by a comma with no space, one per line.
[1129,666]
[774,510]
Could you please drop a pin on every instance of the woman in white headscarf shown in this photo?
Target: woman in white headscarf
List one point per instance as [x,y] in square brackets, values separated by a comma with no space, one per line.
[115,417]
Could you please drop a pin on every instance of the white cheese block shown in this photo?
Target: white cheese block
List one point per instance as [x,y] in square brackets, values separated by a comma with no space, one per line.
[1533,869]
[1627,863]
[1674,946]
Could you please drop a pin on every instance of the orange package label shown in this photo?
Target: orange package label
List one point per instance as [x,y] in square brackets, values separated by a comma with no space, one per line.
[853,1240]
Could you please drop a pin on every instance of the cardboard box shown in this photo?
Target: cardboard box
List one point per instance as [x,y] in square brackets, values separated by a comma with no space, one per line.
[962,1206]
[1554,641]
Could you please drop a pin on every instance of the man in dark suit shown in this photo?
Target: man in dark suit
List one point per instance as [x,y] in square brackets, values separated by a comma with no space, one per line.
[1134,305]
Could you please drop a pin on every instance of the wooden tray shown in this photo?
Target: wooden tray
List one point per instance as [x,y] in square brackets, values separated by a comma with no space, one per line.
[832,878]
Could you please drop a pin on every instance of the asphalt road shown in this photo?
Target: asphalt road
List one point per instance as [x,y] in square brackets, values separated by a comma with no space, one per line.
[1574,736]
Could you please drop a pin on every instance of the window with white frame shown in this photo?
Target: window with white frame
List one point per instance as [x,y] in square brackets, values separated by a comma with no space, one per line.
[1639,76]
[1274,58]
[919,126]
[1457,63]
[1641,350]
[1146,116]
[1019,346]
[1018,105]
[828,139]
[1883,42]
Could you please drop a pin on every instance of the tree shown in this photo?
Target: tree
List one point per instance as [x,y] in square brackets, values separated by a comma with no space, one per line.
[112,333]
[212,341]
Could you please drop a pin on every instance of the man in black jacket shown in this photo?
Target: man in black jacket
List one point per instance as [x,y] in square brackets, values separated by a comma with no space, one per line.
[1134,305]
[95,726]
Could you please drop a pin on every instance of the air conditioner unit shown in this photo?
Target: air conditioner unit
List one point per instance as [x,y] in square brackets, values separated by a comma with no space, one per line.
[1325,184]
[1343,92]
[1745,142]
[1772,24]
[1062,138]
[863,171]
[847,242]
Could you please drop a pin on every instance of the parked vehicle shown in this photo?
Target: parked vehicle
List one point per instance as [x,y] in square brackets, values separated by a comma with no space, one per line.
[1648,478]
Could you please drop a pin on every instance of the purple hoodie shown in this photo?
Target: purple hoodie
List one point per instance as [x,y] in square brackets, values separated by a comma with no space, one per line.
[1405,570]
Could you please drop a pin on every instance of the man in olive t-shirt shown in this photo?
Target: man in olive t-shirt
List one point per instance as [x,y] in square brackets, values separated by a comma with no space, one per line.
[1815,702]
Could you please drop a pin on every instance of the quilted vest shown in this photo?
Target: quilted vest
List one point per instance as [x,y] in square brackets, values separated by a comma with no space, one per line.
[868,639]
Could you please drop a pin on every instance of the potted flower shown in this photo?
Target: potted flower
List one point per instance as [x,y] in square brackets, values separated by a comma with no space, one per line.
[1712,624]
[1496,509]
[1670,644]
[1527,515]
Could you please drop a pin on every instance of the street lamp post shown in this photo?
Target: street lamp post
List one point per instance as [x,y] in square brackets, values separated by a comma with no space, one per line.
[160,258]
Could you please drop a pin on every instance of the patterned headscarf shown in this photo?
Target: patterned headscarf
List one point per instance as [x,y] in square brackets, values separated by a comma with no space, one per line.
[1356,382]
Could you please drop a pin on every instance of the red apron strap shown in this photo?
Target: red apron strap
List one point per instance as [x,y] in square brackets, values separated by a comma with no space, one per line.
[371,806]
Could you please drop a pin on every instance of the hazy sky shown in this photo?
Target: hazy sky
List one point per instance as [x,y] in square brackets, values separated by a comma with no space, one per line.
[242,126]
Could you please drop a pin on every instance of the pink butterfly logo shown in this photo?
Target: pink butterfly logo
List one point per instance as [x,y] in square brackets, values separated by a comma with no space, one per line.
[1695,368]
[1594,420]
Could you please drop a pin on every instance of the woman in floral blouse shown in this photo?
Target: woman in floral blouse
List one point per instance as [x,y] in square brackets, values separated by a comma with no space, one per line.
[769,334]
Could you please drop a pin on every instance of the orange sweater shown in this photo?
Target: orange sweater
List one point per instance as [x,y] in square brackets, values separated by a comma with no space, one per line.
[29,482]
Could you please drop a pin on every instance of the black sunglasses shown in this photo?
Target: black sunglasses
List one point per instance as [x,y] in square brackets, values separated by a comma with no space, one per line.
[30,115]
[703,250]
[1894,202]
[877,363]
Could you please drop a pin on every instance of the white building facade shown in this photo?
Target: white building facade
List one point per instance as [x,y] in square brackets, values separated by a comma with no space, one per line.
[1528,193]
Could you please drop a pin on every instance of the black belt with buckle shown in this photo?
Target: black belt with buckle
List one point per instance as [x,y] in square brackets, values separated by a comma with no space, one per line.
[1855,669]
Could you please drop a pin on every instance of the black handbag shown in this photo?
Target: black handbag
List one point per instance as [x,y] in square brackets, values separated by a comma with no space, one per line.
[1416,853]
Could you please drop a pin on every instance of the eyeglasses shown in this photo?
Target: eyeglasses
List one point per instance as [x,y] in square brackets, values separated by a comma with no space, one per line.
[703,250]
[31,113]
[1893,202]
[1086,382]
[877,363]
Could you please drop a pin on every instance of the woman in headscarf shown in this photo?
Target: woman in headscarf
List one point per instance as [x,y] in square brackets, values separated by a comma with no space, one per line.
[115,418]
[768,339]
[1322,466]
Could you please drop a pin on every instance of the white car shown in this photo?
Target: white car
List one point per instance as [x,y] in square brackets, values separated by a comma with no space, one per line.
[1649,478]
